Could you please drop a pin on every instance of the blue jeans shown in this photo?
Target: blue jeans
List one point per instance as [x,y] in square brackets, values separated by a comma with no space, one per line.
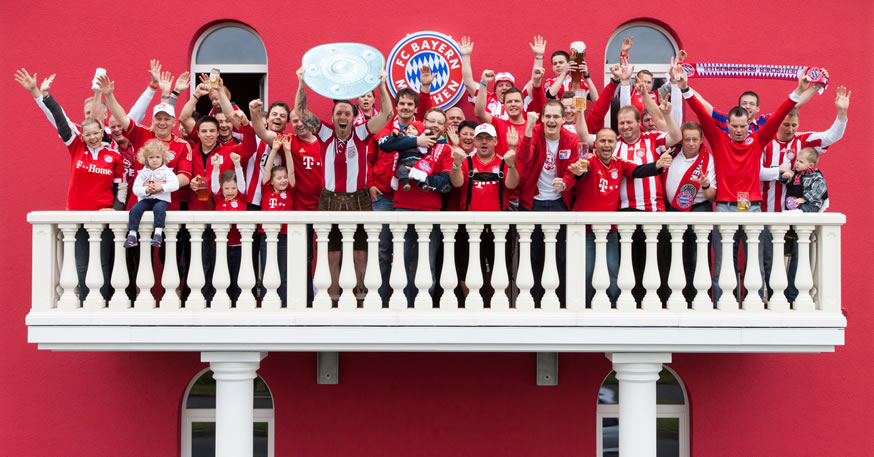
[538,250]
[612,266]
[107,255]
[411,258]
[385,248]
[159,207]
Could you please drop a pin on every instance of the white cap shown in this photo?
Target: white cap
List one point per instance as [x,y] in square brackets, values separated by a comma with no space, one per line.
[505,76]
[163,108]
[485,128]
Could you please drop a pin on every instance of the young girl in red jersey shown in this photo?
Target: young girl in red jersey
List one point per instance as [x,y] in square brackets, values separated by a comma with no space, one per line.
[233,191]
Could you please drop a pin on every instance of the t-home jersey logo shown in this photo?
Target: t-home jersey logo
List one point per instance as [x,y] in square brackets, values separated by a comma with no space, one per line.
[438,51]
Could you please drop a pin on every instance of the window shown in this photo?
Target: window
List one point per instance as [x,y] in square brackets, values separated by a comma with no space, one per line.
[239,53]
[672,416]
[653,48]
[198,418]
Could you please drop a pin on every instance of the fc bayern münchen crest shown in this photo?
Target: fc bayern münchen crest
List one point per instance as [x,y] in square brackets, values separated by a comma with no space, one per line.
[440,53]
[688,68]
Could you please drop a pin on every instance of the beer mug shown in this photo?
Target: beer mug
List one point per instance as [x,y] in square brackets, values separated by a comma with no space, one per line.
[214,77]
[579,102]
[743,201]
[98,73]
[578,55]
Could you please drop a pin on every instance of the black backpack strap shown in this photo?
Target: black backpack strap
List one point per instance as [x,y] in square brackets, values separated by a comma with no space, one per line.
[469,183]
[501,187]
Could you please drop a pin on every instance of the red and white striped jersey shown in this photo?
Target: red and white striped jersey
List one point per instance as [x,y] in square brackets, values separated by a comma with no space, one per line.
[777,153]
[255,170]
[646,194]
[493,106]
[344,161]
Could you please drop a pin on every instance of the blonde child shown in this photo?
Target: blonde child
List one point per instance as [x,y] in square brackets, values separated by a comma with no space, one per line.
[153,186]
[806,190]
[233,198]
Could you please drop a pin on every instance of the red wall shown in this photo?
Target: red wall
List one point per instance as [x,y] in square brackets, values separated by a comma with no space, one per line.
[429,404]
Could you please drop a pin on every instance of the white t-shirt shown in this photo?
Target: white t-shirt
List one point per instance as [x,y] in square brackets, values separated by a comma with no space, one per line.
[679,167]
[545,191]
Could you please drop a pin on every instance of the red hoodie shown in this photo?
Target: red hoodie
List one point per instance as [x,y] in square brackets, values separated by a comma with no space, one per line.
[532,156]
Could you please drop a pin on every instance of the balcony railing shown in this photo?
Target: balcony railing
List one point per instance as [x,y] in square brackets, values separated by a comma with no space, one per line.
[738,321]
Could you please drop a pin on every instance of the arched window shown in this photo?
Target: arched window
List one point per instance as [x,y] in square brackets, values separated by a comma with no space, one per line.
[239,53]
[198,418]
[653,48]
[672,416]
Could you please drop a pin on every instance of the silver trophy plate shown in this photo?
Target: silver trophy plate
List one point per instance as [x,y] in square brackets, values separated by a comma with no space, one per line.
[342,71]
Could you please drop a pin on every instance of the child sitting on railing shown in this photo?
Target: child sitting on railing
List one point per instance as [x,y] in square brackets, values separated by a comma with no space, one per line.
[805,187]
[153,186]
[233,190]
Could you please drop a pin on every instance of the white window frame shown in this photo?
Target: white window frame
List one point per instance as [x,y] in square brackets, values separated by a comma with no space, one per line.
[656,68]
[680,412]
[197,69]
[189,416]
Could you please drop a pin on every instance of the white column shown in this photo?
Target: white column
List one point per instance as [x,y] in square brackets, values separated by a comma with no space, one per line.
[119,279]
[474,279]
[145,274]
[322,276]
[601,277]
[651,280]
[703,279]
[449,275]
[828,254]
[753,276]
[778,279]
[69,279]
[637,374]
[575,282]
[525,276]
[94,276]
[727,278]
[500,278]
[196,279]
[398,277]
[246,278]
[271,280]
[170,277]
[221,276]
[234,374]
[677,274]
[296,258]
[43,261]
[625,278]
[372,276]
[803,275]
[550,279]
[347,301]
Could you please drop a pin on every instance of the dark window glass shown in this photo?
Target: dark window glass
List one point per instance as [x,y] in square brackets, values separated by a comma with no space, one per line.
[202,394]
[231,45]
[203,439]
[668,437]
[668,390]
[650,46]
[610,437]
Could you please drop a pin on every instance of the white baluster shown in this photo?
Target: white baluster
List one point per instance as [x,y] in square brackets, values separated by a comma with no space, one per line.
[448,275]
[297,283]
[601,277]
[221,277]
[145,274]
[59,263]
[651,280]
[271,281]
[753,277]
[347,301]
[43,262]
[525,277]
[170,277]
[778,279]
[727,279]
[322,276]
[69,278]
[803,275]
[398,278]
[625,279]
[829,260]
[500,278]
[677,274]
[814,248]
[474,279]
[574,287]
[119,279]
[196,279]
[246,278]
[372,277]
[94,276]
[702,279]
[550,281]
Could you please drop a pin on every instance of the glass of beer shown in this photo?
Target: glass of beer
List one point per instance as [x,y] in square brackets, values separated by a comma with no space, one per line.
[202,191]
[214,77]
[579,101]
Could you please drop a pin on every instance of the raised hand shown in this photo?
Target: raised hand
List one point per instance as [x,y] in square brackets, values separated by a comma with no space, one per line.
[425,76]
[27,82]
[512,137]
[537,76]
[300,72]
[235,158]
[680,78]
[425,140]
[215,160]
[204,78]
[842,100]
[488,76]
[46,85]
[584,68]
[532,117]
[255,107]
[614,70]
[466,46]
[626,45]
[681,57]
[241,118]
[625,70]
[539,45]
[665,161]
[452,133]
[154,72]
[106,86]
[703,180]
[640,87]
[166,82]
[183,82]
[201,89]
[458,155]
[665,107]
[383,75]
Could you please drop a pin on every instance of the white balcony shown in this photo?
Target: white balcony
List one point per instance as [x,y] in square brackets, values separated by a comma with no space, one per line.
[813,323]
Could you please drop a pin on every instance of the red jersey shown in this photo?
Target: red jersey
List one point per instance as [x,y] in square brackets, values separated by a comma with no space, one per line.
[484,195]
[501,148]
[598,189]
[637,100]
[179,160]
[344,161]
[778,153]
[382,165]
[646,194]
[91,176]
[237,204]
[532,160]
[276,201]
[254,170]
[493,105]
[308,174]
[440,158]
[738,163]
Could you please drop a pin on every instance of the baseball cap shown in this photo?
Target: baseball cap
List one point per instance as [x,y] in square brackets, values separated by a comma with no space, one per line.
[485,128]
[163,108]
[505,76]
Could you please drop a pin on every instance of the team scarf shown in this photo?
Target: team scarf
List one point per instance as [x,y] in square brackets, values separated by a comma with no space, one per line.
[809,170]
[689,186]
[727,70]
[360,118]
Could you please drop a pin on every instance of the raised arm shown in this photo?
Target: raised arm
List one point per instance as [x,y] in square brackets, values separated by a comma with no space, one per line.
[266,135]
[466,48]
[767,132]
[479,107]
[582,130]
[425,102]
[650,106]
[300,97]
[511,180]
[378,122]
[115,109]
[673,129]
[456,175]
[593,89]
[186,118]
[711,131]
[226,105]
